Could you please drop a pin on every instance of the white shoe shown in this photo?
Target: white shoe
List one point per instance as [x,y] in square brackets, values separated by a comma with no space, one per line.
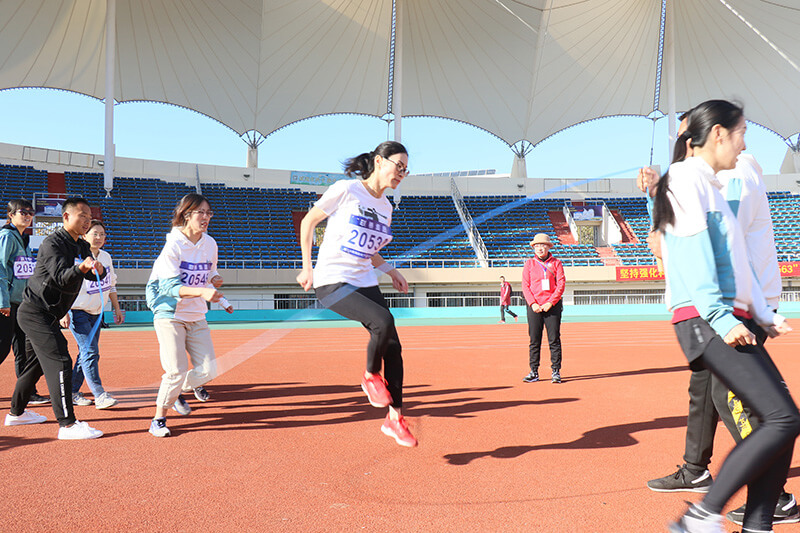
[698,520]
[181,406]
[158,427]
[79,399]
[27,417]
[104,401]
[78,431]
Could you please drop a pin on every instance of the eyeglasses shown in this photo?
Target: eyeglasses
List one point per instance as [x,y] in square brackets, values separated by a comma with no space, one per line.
[25,212]
[401,168]
[209,214]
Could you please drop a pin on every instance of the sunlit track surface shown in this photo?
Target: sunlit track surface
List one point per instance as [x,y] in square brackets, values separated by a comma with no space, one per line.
[289,443]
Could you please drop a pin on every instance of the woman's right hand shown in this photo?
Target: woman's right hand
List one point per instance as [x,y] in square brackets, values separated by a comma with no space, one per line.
[210,294]
[740,336]
[306,279]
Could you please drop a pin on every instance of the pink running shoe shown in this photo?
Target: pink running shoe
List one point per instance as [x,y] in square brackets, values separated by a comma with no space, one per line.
[398,429]
[375,389]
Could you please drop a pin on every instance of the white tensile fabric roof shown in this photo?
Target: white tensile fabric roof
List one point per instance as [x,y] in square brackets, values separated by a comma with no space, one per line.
[520,69]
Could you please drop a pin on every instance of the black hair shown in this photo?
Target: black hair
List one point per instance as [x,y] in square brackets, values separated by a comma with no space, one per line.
[15,205]
[74,201]
[363,165]
[699,122]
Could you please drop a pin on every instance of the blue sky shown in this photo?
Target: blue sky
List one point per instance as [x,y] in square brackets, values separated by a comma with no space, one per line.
[605,147]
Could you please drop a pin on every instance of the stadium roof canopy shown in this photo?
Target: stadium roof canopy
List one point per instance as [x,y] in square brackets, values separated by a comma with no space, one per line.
[520,69]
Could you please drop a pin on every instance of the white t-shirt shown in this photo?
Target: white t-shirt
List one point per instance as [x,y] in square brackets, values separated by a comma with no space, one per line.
[358,227]
[89,298]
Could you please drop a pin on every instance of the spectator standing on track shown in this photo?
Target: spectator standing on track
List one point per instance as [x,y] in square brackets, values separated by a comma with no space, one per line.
[16,266]
[359,219]
[716,308]
[709,400]
[177,293]
[83,321]
[543,284]
[505,300]
[63,262]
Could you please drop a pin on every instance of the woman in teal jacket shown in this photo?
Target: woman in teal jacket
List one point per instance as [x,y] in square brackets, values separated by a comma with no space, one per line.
[16,266]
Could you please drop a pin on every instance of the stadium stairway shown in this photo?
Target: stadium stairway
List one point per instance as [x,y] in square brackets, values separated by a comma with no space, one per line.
[56,183]
[562,228]
[628,236]
[608,255]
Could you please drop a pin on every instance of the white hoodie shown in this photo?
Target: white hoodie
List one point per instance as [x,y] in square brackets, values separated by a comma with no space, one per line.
[89,298]
[181,263]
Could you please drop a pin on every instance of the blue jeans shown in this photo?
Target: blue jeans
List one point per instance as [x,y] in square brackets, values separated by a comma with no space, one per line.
[87,364]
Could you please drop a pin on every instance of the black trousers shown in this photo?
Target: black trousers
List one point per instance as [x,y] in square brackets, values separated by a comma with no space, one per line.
[368,306]
[761,461]
[45,353]
[12,337]
[536,323]
[506,309]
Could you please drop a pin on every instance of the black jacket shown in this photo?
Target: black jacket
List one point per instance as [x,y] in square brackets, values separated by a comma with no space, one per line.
[57,280]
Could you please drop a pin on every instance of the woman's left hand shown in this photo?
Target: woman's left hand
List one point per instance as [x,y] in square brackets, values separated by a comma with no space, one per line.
[398,281]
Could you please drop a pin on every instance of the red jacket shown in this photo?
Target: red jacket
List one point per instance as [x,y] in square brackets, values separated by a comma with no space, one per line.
[505,294]
[535,272]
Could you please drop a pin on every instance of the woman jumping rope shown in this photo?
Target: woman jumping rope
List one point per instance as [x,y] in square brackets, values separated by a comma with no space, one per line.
[345,279]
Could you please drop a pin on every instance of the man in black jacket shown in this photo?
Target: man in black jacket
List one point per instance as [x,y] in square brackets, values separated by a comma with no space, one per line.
[63,262]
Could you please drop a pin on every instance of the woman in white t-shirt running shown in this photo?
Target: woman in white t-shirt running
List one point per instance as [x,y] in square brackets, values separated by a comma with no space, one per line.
[345,279]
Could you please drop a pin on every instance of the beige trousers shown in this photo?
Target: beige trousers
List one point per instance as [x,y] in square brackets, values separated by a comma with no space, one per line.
[176,338]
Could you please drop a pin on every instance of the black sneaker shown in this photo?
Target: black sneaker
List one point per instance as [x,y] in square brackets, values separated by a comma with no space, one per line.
[532,377]
[556,377]
[38,399]
[682,481]
[786,512]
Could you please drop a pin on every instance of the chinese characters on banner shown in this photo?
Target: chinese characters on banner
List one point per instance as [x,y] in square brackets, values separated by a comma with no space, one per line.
[651,273]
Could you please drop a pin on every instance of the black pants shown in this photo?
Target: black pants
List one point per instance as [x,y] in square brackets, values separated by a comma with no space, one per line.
[367,305]
[506,309]
[12,337]
[45,353]
[761,461]
[552,321]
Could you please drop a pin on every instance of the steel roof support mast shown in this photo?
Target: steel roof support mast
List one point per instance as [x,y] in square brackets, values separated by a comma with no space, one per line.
[111,53]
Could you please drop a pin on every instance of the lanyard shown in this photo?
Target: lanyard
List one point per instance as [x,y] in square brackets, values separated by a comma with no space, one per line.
[544,266]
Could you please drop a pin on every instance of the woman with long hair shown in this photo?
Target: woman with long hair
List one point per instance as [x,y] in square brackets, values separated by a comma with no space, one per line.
[718,310]
[16,266]
[346,274]
[184,278]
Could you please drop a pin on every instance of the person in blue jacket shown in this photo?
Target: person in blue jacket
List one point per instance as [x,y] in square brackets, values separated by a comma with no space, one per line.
[16,266]
[718,311]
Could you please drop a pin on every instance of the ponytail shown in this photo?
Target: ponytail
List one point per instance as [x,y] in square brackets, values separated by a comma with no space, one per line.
[363,165]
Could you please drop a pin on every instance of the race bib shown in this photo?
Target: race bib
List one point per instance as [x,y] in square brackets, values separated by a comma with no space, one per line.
[24,266]
[366,237]
[195,274]
[94,287]
[545,284]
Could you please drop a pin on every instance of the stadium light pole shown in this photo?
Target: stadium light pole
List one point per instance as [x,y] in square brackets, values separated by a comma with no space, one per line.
[669,59]
[397,89]
[111,42]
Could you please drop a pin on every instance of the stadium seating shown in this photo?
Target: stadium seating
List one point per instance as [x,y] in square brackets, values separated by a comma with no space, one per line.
[254,227]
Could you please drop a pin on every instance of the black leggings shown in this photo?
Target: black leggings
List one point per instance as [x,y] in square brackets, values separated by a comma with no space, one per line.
[367,305]
[761,461]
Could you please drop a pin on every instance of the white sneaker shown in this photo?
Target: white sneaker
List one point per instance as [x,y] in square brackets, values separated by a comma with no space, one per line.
[27,417]
[158,427]
[104,401]
[79,399]
[698,520]
[78,431]
[181,406]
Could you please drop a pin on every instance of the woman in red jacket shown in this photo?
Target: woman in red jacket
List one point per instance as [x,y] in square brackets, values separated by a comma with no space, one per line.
[543,285]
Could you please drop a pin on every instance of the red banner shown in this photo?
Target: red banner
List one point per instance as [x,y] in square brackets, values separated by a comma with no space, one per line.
[651,273]
[789,269]
[639,273]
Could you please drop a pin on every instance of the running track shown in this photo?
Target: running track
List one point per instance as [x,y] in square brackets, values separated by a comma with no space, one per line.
[289,443]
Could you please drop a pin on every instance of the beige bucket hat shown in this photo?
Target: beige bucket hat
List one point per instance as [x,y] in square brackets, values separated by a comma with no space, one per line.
[541,238]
